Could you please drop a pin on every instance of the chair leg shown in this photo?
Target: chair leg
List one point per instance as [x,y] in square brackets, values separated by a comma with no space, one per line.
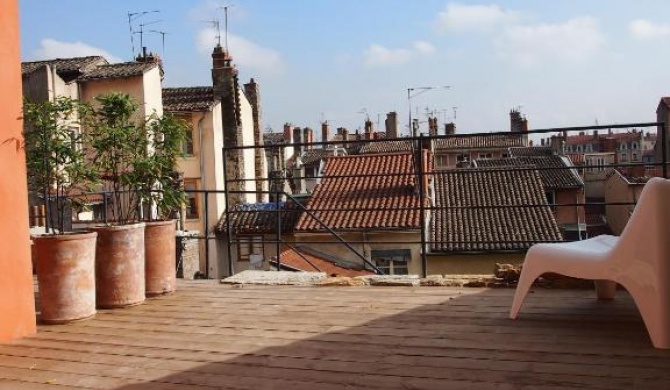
[528,276]
[605,289]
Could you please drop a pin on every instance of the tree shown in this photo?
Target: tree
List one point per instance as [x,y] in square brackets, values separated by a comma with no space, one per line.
[55,154]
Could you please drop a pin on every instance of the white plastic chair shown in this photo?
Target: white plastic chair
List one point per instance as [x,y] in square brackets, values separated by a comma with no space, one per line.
[639,260]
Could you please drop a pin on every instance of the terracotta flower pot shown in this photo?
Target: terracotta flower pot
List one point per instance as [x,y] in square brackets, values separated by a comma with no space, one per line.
[66,276]
[160,257]
[119,266]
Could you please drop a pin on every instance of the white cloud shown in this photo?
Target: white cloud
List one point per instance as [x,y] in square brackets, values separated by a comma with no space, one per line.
[573,41]
[423,47]
[51,48]
[461,17]
[380,56]
[244,52]
[644,29]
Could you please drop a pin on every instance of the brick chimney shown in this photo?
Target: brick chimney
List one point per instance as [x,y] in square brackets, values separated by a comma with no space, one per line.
[343,133]
[368,129]
[225,85]
[308,138]
[288,134]
[252,92]
[391,124]
[595,134]
[450,128]
[325,132]
[432,127]
[297,139]
[518,124]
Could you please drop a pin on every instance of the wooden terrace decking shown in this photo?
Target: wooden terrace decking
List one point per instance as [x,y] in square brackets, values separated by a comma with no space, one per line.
[212,336]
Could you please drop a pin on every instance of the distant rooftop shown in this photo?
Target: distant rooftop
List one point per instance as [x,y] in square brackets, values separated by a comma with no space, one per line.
[188,99]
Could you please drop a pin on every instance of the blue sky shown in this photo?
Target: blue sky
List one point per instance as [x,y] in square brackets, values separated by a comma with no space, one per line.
[563,63]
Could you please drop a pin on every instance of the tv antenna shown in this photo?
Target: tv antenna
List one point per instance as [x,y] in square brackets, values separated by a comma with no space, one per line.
[163,34]
[455,109]
[225,24]
[141,31]
[364,111]
[217,25]
[134,16]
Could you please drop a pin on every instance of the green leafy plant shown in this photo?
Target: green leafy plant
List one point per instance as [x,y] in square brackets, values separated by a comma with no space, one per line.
[56,155]
[120,144]
[163,184]
[136,158]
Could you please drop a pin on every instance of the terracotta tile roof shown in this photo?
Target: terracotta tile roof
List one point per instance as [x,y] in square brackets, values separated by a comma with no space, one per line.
[493,141]
[531,151]
[274,139]
[480,228]
[116,71]
[309,261]
[374,200]
[188,99]
[553,169]
[75,65]
[314,156]
[387,147]
[259,218]
[576,158]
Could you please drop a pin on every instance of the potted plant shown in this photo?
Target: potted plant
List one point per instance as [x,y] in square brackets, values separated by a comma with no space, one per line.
[57,169]
[120,143]
[163,190]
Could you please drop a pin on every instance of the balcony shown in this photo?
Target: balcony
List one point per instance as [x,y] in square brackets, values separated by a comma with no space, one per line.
[208,335]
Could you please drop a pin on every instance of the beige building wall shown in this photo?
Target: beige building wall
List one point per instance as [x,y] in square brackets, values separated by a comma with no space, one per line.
[619,190]
[327,243]
[475,264]
[249,155]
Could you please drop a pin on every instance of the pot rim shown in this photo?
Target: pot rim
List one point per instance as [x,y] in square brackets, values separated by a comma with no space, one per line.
[135,225]
[67,236]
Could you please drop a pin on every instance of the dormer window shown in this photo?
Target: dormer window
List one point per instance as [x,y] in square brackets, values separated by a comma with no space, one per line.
[623,146]
[634,145]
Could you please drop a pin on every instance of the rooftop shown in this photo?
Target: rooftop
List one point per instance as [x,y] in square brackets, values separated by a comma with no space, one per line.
[487,210]
[382,195]
[210,336]
[259,218]
[63,66]
[188,99]
[308,260]
[387,147]
[482,141]
[554,169]
[116,71]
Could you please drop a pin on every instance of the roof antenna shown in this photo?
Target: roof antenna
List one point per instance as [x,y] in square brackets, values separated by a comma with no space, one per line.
[133,16]
[225,24]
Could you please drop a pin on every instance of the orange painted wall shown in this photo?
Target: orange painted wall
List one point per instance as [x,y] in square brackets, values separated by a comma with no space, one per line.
[17,306]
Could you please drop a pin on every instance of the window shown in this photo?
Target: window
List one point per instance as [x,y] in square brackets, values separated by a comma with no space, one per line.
[442,160]
[624,157]
[485,155]
[192,207]
[392,262]
[579,148]
[623,146]
[187,145]
[589,148]
[462,157]
[249,245]
[505,155]
[634,145]
[634,157]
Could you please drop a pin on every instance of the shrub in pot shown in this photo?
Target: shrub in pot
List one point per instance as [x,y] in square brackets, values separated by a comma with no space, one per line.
[163,189]
[120,144]
[57,169]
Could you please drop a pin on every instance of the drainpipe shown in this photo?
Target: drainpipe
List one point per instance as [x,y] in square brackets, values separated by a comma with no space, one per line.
[203,185]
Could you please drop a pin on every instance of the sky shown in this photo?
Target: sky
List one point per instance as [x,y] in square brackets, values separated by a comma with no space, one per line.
[561,63]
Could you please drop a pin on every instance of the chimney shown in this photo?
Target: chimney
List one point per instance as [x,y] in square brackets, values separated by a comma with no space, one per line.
[450,128]
[518,124]
[343,132]
[557,144]
[325,132]
[542,142]
[297,138]
[368,129]
[595,134]
[288,135]
[391,124]
[308,137]
[432,127]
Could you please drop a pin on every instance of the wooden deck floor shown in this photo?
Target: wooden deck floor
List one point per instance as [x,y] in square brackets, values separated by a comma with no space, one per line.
[210,336]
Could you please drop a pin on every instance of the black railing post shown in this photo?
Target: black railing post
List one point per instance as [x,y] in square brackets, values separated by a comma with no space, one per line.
[105,205]
[206,195]
[422,209]
[664,151]
[278,211]
[229,234]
